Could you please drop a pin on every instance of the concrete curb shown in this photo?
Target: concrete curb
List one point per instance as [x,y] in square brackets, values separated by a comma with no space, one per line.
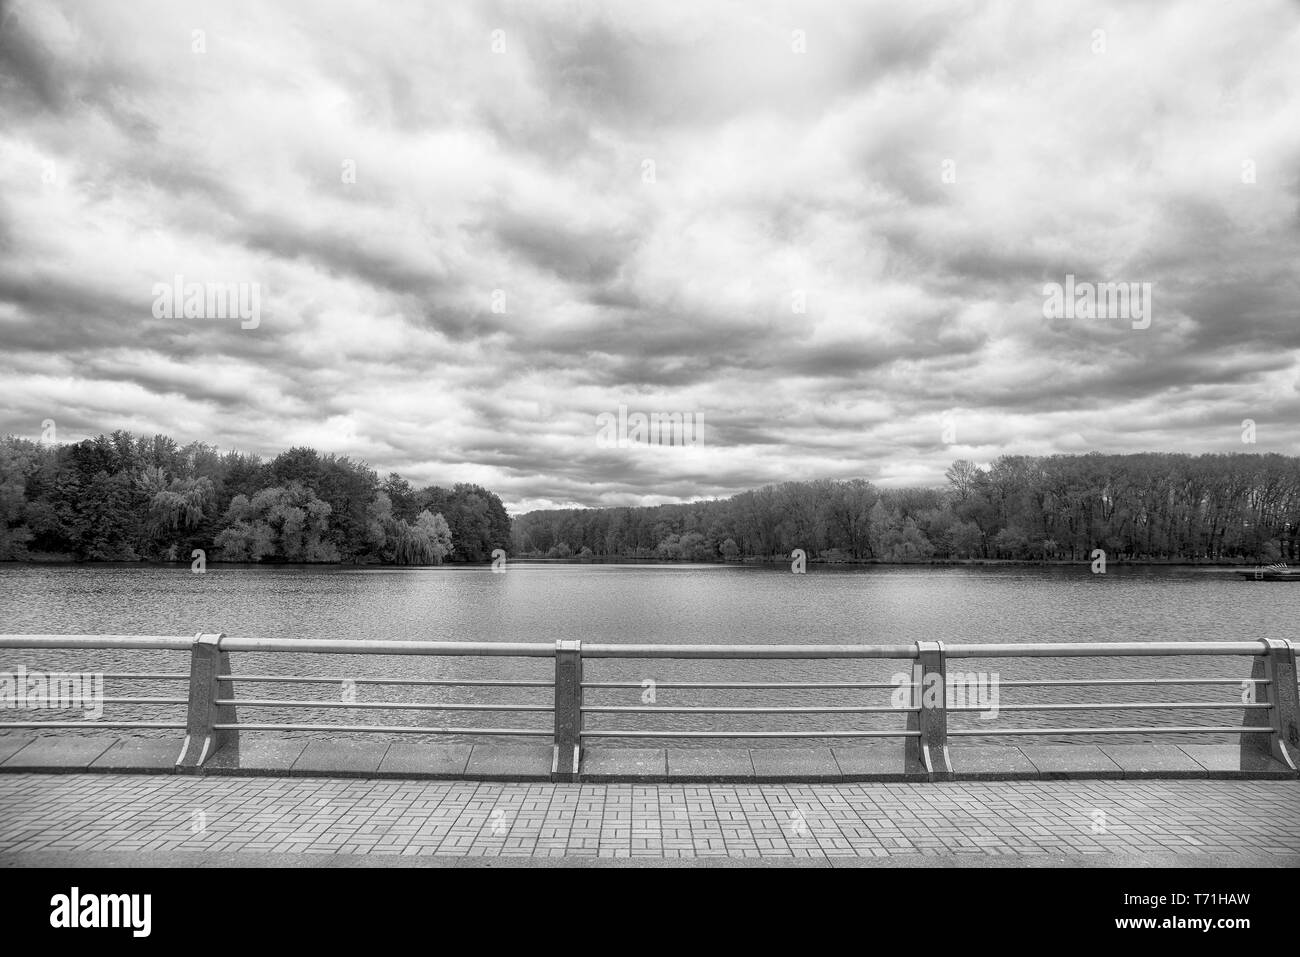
[301,757]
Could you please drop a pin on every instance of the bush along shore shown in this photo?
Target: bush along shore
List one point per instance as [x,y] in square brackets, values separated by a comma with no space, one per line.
[126,498]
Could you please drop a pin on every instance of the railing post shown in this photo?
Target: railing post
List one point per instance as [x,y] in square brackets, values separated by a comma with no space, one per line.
[1280,724]
[202,740]
[929,752]
[567,755]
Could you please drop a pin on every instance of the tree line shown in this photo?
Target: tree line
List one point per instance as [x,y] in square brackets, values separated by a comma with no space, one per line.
[122,497]
[1143,507]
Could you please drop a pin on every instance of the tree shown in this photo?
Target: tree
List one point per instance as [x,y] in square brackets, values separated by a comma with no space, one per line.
[967,540]
[405,503]
[106,523]
[1011,543]
[427,542]
[183,504]
[14,533]
[288,523]
[477,518]
[963,476]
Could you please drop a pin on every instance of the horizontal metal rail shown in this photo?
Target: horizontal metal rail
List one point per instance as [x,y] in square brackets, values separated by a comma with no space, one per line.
[869,685]
[140,642]
[827,709]
[1118,706]
[393,705]
[78,707]
[157,725]
[344,646]
[386,728]
[606,650]
[1158,730]
[447,682]
[751,734]
[1105,649]
[1083,683]
[886,685]
[728,652]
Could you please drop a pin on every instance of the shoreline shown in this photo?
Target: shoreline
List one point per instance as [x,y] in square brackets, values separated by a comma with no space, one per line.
[629,560]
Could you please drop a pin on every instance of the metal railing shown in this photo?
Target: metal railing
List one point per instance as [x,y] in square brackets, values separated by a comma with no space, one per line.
[1269,706]
[417,648]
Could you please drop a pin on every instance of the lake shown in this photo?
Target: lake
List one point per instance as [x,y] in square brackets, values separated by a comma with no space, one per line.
[660,604]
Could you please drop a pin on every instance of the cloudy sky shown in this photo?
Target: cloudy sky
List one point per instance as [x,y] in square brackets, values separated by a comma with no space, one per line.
[824,229]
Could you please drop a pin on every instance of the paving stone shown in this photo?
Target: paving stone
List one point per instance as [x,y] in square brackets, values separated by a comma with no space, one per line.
[405,759]
[709,764]
[794,764]
[1060,761]
[505,762]
[637,764]
[140,754]
[1229,761]
[877,762]
[12,743]
[991,763]
[340,759]
[257,755]
[61,753]
[1153,760]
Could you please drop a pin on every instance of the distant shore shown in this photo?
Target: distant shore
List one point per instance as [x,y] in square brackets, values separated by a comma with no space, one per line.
[779,560]
[630,560]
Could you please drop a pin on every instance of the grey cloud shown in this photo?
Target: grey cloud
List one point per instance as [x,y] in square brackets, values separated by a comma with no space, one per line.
[778,169]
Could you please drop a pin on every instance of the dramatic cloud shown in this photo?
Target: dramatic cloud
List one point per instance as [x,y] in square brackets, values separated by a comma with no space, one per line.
[825,229]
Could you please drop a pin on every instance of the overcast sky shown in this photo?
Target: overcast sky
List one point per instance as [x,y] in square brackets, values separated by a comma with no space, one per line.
[911,174]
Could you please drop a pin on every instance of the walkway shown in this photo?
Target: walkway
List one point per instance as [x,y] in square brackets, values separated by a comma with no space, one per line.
[153,819]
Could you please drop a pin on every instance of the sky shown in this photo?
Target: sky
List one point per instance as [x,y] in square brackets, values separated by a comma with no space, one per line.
[824,231]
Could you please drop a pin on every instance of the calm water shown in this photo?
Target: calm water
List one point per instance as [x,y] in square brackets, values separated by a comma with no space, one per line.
[677,604]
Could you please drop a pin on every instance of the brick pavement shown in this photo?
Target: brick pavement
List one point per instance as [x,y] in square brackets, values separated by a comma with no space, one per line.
[146,813]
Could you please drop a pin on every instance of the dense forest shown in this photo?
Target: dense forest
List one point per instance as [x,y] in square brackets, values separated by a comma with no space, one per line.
[125,498]
[1145,507]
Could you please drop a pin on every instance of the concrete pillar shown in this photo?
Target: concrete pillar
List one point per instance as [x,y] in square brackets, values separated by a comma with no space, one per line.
[928,753]
[202,740]
[568,713]
[1279,737]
